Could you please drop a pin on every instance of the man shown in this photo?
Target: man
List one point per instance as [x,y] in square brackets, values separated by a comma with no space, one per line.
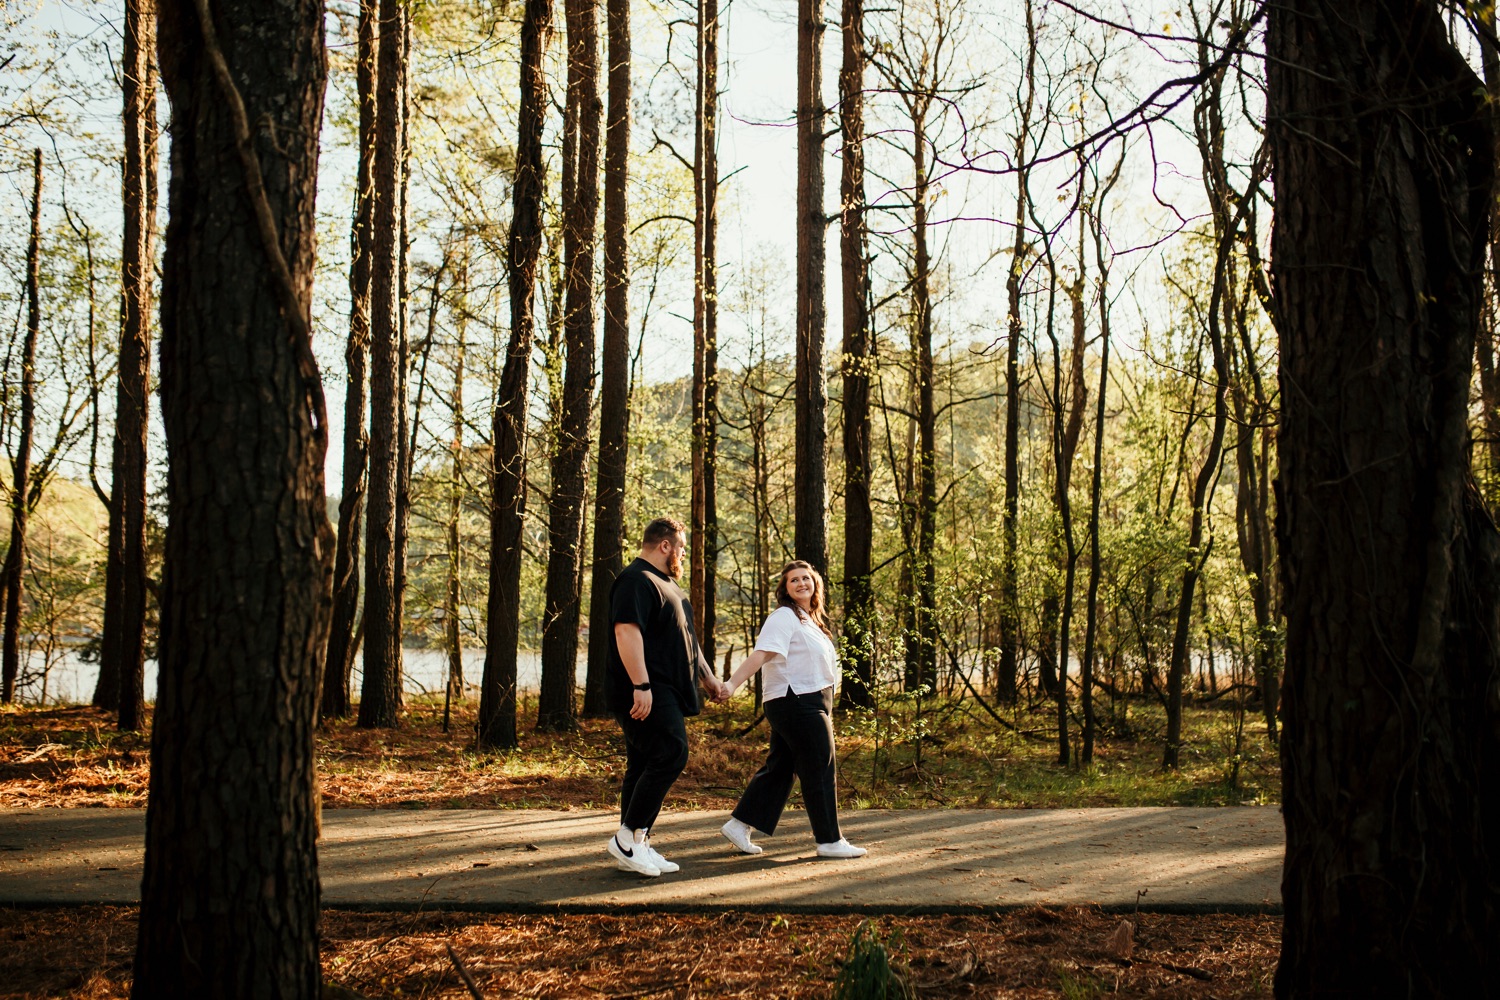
[652,668]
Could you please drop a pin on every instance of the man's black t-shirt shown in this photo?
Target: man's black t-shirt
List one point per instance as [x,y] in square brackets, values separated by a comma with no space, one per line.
[646,597]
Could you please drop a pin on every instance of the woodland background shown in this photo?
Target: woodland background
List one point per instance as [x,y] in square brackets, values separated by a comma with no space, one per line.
[1007,225]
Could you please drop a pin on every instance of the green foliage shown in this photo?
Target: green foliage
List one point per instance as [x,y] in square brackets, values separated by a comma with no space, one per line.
[874,968]
[1078,987]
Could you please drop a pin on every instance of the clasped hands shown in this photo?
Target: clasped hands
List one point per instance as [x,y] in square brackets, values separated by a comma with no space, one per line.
[720,691]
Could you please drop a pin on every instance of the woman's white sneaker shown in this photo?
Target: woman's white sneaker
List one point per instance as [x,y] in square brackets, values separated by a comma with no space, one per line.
[666,867]
[633,857]
[841,848]
[738,834]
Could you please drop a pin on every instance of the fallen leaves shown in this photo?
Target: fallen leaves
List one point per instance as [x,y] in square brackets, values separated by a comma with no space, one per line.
[84,954]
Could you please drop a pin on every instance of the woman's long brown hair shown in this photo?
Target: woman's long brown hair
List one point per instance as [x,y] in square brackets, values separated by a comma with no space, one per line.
[815,612]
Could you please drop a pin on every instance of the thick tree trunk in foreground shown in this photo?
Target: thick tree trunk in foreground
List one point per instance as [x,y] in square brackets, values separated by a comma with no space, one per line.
[1383,163]
[122,656]
[614,375]
[810,529]
[20,483]
[497,700]
[555,706]
[857,366]
[380,692]
[230,893]
[342,644]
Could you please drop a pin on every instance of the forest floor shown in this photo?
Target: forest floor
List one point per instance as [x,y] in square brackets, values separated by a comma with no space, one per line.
[950,754]
[85,954]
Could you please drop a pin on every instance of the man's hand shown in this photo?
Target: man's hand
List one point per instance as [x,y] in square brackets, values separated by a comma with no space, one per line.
[722,692]
[632,647]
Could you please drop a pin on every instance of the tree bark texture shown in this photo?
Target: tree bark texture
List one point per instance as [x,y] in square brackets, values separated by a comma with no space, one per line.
[705,530]
[497,702]
[858,367]
[339,666]
[614,375]
[380,691]
[230,891]
[1384,167]
[556,709]
[20,483]
[122,654]
[810,527]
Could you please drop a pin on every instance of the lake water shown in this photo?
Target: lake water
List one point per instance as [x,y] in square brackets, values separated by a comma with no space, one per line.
[71,679]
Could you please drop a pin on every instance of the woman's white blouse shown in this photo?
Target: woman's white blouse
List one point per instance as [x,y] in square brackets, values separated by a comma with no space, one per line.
[804,659]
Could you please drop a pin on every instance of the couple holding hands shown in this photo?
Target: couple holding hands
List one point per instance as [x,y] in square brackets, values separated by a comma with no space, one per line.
[653,668]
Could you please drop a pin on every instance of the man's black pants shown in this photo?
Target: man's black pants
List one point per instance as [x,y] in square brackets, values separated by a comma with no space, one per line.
[801,746]
[656,751]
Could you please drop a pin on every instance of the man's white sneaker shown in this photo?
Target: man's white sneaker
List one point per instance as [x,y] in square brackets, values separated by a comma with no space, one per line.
[841,848]
[738,834]
[666,867]
[633,858]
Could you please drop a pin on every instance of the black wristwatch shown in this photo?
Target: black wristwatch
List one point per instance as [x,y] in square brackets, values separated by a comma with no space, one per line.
[642,687]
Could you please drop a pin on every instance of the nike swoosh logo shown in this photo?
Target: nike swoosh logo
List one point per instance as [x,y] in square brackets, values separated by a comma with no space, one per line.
[629,853]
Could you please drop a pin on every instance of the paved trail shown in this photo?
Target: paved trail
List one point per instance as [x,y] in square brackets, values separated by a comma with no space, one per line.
[1221,860]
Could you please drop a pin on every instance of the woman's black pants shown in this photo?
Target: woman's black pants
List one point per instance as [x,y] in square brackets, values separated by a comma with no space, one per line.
[801,746]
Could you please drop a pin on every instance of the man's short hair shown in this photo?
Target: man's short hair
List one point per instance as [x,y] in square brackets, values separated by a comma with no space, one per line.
[660,530]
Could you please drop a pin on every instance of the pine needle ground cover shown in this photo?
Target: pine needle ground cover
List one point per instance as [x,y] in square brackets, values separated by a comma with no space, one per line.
[934,755]
[85,954]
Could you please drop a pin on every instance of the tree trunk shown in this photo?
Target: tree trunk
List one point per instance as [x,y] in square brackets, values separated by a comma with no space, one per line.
[406,420]
[810,531]
[339,666]
[229,898]
[704,551]
[556,710]
[122,653]
[497,700]
[1067,426]
[380,691]
[454,605]
[614,392]
[1227,221]
[857,367]
[921,654]
[1091,608]
[614,377]
[20,483]
[1489,327]
[1010,609]
[1384,166]
[1197,550]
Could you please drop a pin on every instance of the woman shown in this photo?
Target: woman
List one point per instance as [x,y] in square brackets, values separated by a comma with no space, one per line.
[796,651]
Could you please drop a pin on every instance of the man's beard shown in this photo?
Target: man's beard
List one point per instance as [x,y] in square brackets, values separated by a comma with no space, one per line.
[674,565]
